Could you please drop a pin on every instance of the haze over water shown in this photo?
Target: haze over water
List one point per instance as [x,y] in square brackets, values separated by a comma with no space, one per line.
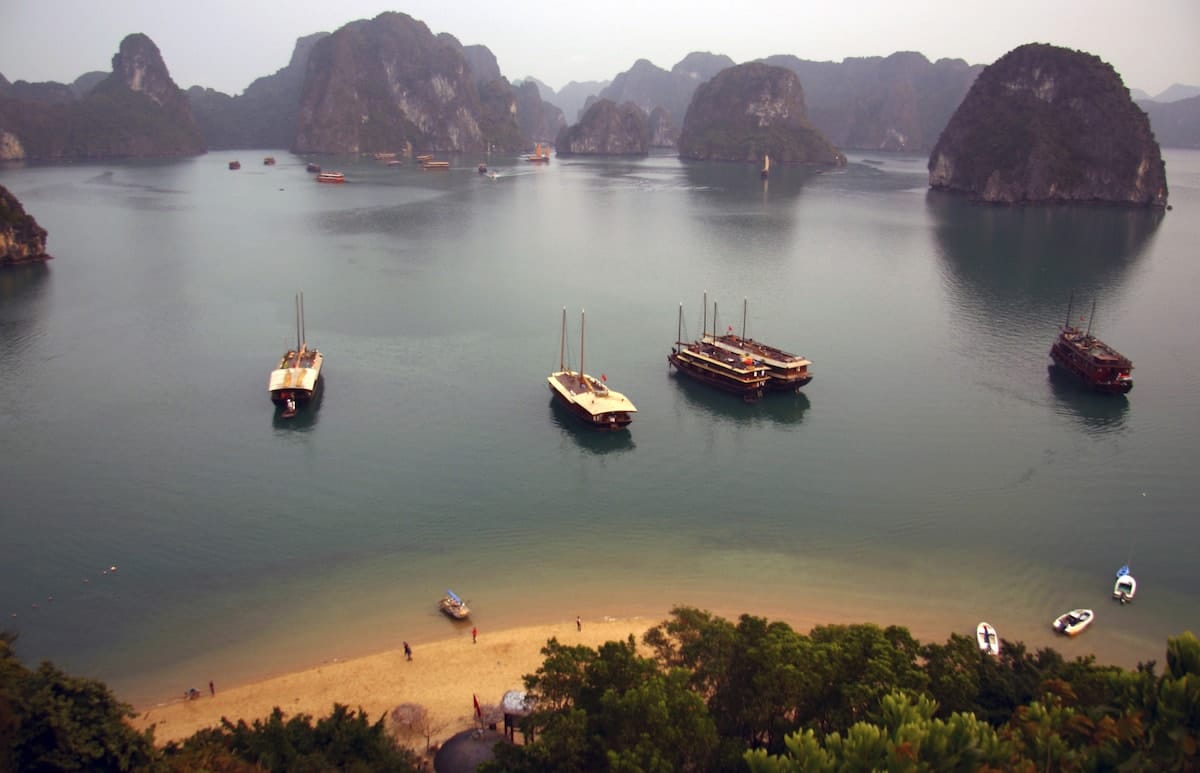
[935,473]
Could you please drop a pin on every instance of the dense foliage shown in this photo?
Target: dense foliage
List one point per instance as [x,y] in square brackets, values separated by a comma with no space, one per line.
[707,694]
[699,693]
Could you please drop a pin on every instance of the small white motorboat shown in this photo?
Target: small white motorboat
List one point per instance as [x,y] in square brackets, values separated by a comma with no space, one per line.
[1124,588]
[989,640]
[1073,622]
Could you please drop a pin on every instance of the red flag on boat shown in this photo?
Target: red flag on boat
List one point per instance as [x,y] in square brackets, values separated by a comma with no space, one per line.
[478,713]
[603,377]
[729,329]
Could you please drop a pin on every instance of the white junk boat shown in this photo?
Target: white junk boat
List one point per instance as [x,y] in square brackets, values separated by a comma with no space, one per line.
[297,376]
[1073,622]
[588,397]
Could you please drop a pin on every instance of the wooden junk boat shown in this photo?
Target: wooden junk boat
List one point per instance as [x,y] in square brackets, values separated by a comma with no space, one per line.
[587,397]
[1097,364]
[331,177]
[708,363]
[235,164]
[786,372]
[298,375]
[541,153]
[453,606]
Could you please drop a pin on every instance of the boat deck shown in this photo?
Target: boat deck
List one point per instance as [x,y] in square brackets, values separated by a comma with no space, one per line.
[589,393]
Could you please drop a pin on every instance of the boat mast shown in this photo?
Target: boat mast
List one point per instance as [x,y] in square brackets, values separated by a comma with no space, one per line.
[704,326]
[745,303]
[581,379]
[714,319]
[1070,300]
[562,345]
[297,302]
[303,332]
[679,329]
[1090,316]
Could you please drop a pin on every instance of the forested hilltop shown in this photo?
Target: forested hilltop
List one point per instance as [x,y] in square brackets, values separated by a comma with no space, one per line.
[699,693]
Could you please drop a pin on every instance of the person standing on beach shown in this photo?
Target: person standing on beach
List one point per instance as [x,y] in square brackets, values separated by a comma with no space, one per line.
[211,690]
[407,651]
[578,623]
[474,635]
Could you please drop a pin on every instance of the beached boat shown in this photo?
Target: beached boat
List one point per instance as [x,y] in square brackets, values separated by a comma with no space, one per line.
[297,377]
[710,364]
[1073,622]
[587,397]
[787,372]
[1124,588]
[235,164]
[453,606]
[435,164]
[1094,362]
[989,640]
[313,166]
[269,161]
[331,177]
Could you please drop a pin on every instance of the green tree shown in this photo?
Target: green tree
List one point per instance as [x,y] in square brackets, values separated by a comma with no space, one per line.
[907,738]
[344,741]
[52,721]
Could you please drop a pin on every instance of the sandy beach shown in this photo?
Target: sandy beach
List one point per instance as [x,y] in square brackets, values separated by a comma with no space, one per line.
[442,676]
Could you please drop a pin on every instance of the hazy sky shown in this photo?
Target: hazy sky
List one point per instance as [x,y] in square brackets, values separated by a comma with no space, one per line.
[226,44]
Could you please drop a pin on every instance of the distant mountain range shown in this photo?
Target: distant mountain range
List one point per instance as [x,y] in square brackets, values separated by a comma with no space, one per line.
[388,84]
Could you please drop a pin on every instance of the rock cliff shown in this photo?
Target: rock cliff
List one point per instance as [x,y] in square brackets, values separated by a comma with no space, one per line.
[539,120]
[136,111]
[264,115]
[607,129]
[22,240]
[894,103]
[381,84]
[663,132]
[753,110]
[1049,124]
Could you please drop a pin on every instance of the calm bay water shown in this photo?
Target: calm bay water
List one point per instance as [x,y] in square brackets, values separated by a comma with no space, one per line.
[935,472]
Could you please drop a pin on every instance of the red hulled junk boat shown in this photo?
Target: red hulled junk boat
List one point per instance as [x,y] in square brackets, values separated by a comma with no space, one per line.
[787,372]
[729,371]
[1097,364]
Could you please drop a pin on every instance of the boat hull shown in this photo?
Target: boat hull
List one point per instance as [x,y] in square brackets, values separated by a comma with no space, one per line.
[1124,588]
[1100,379]
[988,639]
[750,392]
[601,422]
[1074,622]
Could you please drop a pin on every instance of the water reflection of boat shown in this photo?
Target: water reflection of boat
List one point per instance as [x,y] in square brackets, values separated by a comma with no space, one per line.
[783,409]
[1096,412]
[599,443]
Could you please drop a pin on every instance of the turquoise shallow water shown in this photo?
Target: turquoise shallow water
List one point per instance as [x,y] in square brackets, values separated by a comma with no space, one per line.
[934,473]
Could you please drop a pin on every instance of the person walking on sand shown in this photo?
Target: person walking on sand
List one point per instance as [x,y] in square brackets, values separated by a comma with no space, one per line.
[407,651]
[211,690]
[474,635]
[578,623]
